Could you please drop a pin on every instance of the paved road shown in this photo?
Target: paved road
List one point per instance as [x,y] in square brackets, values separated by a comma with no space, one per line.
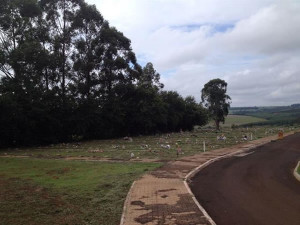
[254,189]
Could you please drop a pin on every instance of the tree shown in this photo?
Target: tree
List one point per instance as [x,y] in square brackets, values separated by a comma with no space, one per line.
[66,74]
[150,78]
[216,100]
[194,114]
[59,16]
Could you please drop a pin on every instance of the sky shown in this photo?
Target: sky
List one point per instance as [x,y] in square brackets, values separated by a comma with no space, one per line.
[254,45]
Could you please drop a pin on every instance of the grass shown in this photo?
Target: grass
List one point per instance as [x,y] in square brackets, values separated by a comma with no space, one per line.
[298,170]
[39,191]
[147,147]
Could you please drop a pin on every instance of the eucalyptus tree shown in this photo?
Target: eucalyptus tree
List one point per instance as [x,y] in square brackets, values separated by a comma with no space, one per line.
[150,78]
[65,73]
[88,50]
[216,100]
[16,28]
[119,66]
[59,16]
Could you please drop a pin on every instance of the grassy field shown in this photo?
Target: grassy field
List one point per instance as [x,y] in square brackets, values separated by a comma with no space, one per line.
[298,170]
[146,147]
[36,191]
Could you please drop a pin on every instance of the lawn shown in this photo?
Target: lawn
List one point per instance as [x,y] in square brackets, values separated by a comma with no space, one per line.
[298,170]
[39,191]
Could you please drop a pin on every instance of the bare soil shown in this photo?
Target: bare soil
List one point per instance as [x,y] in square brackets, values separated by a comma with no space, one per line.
[253,189]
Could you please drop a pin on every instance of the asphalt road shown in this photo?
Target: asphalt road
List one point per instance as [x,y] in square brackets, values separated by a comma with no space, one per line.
[254,189]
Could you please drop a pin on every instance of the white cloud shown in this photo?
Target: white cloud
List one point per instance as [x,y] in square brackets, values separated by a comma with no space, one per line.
[253,44]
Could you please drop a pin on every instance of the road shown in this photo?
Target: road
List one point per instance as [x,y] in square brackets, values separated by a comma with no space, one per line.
[253,189]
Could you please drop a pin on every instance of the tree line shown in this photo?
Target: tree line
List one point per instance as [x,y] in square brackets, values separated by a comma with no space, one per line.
[67,75]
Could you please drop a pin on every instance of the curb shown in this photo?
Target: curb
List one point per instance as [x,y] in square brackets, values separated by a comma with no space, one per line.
[197,169]
[202,166]
[125,203]
[296,174]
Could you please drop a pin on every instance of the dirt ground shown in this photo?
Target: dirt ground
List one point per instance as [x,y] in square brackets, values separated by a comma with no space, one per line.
[253,189]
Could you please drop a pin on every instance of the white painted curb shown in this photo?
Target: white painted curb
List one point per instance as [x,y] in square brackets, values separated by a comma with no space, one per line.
[296,174]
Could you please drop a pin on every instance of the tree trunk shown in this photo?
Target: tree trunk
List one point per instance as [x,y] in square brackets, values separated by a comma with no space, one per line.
[63,86]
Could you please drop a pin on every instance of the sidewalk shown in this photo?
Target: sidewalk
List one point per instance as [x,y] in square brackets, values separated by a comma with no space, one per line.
[161,197]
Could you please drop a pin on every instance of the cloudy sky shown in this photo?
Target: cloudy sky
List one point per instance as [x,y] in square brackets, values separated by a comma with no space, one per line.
[252,44]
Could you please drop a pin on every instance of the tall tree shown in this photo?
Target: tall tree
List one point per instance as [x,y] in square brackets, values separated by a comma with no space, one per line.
[216,100]
[88,52]
[150,78]
[16,27]
[59,16]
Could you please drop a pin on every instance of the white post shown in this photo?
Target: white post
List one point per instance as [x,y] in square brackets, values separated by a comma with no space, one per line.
[204,146]
[251,136]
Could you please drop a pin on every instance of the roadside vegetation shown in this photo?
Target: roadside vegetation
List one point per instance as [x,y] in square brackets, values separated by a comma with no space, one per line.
[35,191]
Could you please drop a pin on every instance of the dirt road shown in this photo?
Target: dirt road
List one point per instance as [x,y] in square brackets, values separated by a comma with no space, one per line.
[253,189]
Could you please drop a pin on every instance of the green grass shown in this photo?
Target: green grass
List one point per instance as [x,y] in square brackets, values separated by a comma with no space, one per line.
[39,191]
[298,170]
[119,149]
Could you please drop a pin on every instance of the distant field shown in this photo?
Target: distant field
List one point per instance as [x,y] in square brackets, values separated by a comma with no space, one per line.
[240,120]
[35,191]
[280,115]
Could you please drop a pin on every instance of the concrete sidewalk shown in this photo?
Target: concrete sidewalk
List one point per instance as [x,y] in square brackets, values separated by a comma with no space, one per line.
[161,196]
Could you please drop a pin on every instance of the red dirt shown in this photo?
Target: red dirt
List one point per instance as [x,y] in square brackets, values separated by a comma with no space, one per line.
[255,189]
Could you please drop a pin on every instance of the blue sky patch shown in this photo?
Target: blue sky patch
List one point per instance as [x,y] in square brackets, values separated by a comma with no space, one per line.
[215,28]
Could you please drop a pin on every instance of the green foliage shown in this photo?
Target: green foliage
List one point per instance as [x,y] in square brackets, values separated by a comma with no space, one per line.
[216,100]
[65,73]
